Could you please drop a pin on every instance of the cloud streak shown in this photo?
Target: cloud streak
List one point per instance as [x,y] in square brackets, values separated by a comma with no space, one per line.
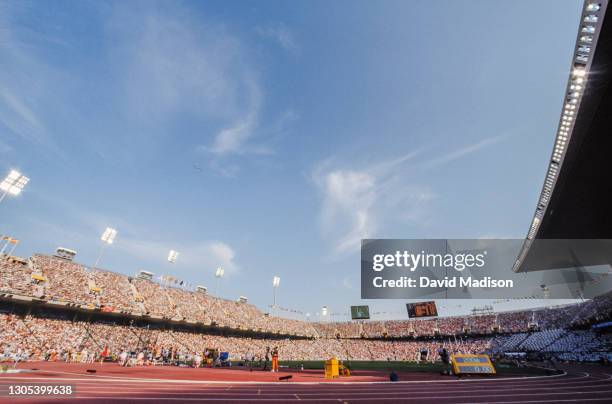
[161,75]
[360,203]
[463,151]
[31,90]
[234,138]
[356,202]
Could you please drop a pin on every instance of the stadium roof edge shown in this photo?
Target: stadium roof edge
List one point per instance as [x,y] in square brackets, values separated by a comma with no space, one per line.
[575,196]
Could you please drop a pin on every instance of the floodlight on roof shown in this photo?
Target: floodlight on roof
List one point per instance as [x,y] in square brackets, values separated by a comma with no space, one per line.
[588,29]
[579,72]
[109,235]
[13,184]
[593,7]
[172,256]
[582,58]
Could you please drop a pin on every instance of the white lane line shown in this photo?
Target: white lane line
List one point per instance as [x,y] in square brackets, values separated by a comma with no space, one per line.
[402,388]
[98,389]
[571,400]
[338,400]
[146,380]
[324,386]
[223,400]
[353,384]
[453,393]
[419,398]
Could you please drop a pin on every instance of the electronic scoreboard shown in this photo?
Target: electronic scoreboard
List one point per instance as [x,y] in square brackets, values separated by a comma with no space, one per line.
[422,309]
[360,312]
[472,364]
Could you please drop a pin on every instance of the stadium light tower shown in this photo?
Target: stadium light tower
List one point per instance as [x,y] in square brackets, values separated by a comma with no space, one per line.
[108,238]
[13,184]
[275,284]
[9,241]
[172,256]
[219,274]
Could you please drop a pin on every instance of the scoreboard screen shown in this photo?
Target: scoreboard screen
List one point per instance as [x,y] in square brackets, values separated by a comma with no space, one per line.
[422,309]
[360,312]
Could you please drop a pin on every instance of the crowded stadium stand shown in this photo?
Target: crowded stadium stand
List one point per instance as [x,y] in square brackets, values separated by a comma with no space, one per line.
[114,290]
[52,308]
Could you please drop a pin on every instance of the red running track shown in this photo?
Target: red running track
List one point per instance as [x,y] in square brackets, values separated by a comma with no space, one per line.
[112,383]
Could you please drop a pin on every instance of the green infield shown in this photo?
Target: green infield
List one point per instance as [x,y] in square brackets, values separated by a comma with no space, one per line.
[502,369]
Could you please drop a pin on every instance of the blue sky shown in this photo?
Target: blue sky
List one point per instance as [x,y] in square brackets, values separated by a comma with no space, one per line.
[270,137]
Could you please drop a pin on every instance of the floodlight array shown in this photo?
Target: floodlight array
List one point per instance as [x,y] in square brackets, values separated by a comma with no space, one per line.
[590,26]
[109,235]
[14,183]
[172,256]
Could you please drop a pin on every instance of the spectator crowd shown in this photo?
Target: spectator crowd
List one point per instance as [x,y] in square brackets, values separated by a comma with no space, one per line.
[555,330]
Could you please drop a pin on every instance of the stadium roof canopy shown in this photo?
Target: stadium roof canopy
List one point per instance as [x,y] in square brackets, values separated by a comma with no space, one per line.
[576,198]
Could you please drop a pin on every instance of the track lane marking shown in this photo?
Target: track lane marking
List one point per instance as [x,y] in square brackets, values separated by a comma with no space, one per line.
[318,394]
[318,400]
[150,380]
[162,391]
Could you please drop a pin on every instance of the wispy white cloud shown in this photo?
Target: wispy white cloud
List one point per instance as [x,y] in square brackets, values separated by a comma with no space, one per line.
[463,151]
[245,136]
[279,33]
[172,66]
[18,116]
[29,87]
[349,197]
[175,67]
[234,137]
[161,74]
[357,202]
